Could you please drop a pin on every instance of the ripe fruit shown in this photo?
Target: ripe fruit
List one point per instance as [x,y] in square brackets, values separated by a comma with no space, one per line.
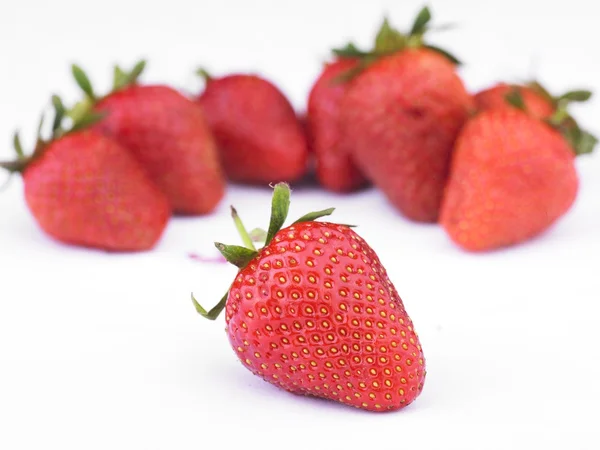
[166,133]
[314,312]
[259,137]
[400,117]
[335,169]
[532,98]
[512,177]
[85,189]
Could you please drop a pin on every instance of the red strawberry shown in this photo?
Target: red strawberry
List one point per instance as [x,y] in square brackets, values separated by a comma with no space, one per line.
[531,97]
[314,312]
[335,169]
[401,115]
[259,137]
[512,177]
[85,189]
[167,134]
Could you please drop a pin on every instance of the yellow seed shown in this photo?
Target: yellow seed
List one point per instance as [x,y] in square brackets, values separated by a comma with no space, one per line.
[279,294]
[369,348]
[305,236]
[309,263]
[401,391]
[305,351]
[341,362]
[285,340]
[317,252]
[370,360]
[310,323]
[244,325]
[362,385]
[330,337]
[372,371]
[308,310]
[404,346]
[313,363]
[408,362]
[296,279]
[248,295]
[328,365]
[372,396]
[368,323]
[344,278]
[388,383]
[375,384]
[310,294]
[333,259]
[377,405]
[320,351]
[355,322]
[403,380]
[398,369]
[248,361]
[328,285]
[356,295]
[295,295]
[257,354]
[240,349]
[327,270]
[264,366]
[283,327]
[323,310]
[368,336]
[339,318]
[340,251]
[321,240]
[387,371]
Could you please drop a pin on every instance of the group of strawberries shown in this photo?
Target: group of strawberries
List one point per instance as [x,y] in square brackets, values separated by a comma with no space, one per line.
[494,169]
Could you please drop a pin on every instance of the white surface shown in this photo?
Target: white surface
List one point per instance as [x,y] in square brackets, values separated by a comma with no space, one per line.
[105,351]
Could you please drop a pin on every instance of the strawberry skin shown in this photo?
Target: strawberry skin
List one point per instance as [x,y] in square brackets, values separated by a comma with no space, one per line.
[335,169]
[85,189]
[399,120]
[495,98]
[316,314]
[512,177]
[258,134]
[168,135]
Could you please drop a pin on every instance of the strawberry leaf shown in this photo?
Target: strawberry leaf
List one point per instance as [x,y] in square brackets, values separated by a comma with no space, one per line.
[585,143]
[576,96]
[88,119]
[453,59]
[388,39]
[280,206]
[136,72]
[242,230]
[312,216]
[59,114]
[83,81]
[235,254]
[514,98]
[349,51]
[215,311]
[420,24]
[18,146]
[119,78]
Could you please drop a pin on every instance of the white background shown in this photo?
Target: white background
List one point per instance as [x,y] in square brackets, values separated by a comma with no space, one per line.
[103,351]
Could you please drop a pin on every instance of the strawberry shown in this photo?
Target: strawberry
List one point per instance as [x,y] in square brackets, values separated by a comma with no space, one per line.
[335,169]
[166,133]
[259,136]
[83,188]
[400,116]
[314,312]
[512,177]
[531,97]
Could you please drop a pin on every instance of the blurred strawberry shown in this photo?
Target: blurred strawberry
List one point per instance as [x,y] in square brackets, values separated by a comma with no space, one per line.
[335,169]
[165,132]
[83,188]
[512,177]
[258,134]
[403,109]
[530,97]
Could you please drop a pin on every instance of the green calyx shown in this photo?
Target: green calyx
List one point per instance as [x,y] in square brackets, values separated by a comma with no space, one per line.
[240,256]
[389,41]
[580,140]
[82,111]
[79,117]
[58,130]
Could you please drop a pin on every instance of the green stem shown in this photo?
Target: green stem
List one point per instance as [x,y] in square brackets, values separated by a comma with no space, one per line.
[246,239]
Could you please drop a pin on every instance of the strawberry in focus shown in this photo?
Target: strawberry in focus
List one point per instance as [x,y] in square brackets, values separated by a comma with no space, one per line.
[512,177]
[259,137]
[84,189]
[314,312]
[166,133]
[402,111]
[335,169]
